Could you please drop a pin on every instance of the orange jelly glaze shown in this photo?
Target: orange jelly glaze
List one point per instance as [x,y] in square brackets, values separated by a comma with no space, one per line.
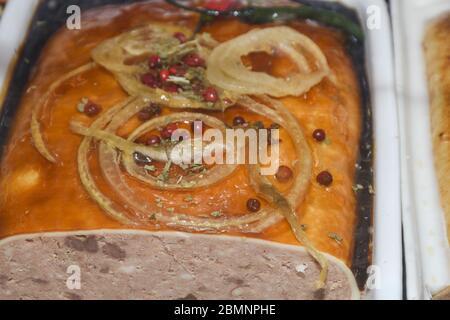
[38,196]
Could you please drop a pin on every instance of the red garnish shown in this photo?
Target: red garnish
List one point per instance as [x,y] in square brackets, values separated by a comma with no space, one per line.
[153,140]
[177,70]
[91,109]
[150,80]
[253,205]
[238,121]
[219,5]
[180,36]
[171,87]
[154,61]
[164,75]
[210,95]
[325,178]
[194,60]
[148,112]
[284,174]
[167,132]
[319,135]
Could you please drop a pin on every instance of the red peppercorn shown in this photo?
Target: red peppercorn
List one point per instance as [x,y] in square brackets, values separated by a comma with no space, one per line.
[91,109]
[153,140]
[144,115]
[238,121]
[171,87]
[325,178]
[253,205]
[258,125]
[173,71]
[155,109]
[210,95]
[150,80]
[154,61]
[164,75]
[319,135]
[284,174]
[193,60]
[148,112]
[177,70]
[172,126]
[167,132]
[180,36]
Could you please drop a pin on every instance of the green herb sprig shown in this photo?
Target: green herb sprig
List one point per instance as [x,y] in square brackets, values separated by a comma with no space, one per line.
[259,15]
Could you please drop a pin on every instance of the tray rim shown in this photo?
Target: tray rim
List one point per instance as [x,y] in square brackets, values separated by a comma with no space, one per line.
[421,280]
[387,253]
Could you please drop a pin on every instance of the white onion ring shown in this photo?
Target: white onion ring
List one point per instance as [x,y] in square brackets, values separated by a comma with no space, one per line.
[211,177]
[110,207]
[36,134]
[227,71]
[154,38]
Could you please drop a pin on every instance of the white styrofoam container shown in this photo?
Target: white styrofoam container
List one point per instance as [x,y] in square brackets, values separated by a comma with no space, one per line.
[427,252]
[387,253]
[13,28]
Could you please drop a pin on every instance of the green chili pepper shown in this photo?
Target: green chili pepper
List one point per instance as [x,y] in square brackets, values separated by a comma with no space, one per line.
[258,15]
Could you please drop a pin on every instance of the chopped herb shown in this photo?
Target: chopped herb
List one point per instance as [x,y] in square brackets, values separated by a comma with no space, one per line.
[189,199]
[164,176]
[195,73]
[188,184]
[197,168]
[257,125]
[151,168]
[171,210]
[357,188]
[178,80]
[82,104]
[335,237]
[216,214]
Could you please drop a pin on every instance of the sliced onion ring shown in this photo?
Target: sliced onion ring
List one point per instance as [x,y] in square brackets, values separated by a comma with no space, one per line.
[36,133]
[211,177]
[267,191]
[154,38]
[87,180]
[227,71]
